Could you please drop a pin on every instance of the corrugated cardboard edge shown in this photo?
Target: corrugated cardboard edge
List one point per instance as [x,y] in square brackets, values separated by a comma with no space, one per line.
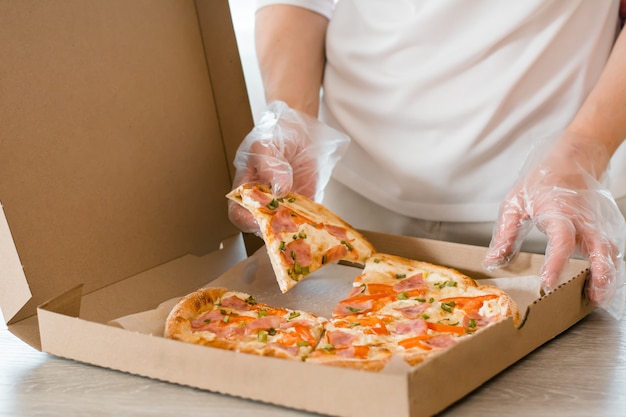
[14,289]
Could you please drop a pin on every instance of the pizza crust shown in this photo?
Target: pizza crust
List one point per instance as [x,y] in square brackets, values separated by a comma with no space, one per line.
[291,328]
[188,308]
[374,364]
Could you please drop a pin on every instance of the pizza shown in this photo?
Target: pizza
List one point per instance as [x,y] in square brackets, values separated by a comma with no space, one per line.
[233,320]
[300,235]
[396,307]
[408,308]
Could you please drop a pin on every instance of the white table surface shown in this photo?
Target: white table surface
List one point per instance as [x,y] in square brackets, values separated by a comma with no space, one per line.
[581,373]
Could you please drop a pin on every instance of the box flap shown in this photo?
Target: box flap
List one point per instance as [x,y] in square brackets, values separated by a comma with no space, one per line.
[15,292]
[112,150]
[226,73]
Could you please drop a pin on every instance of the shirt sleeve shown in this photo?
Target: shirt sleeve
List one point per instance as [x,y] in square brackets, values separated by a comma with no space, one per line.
[323,7]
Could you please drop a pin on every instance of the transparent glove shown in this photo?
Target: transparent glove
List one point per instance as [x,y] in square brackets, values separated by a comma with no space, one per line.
[289,151]
[559,193]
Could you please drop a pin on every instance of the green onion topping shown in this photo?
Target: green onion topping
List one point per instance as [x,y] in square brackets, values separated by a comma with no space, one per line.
[448,306]
[403,295]
[272,205]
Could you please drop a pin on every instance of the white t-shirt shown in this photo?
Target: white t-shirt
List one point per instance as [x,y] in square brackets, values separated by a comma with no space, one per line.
[443,98]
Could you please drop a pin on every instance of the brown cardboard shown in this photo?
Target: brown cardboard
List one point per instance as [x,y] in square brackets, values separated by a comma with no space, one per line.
[112,151]
[120,120]
[424,391]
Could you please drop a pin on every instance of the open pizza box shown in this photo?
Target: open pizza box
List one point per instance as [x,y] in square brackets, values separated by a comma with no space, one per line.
[119,122]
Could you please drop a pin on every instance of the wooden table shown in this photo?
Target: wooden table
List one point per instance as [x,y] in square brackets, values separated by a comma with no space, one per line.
[580,373]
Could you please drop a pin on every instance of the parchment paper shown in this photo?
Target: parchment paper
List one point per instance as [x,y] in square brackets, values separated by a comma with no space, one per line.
[318,294]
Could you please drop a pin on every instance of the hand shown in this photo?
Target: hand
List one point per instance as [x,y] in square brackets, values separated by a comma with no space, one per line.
[291,152]
[562,195]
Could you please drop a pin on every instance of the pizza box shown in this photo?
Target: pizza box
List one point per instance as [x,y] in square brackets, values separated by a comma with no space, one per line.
[120,122]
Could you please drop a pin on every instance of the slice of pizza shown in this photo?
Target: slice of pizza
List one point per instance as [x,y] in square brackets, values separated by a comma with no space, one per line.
[412,309]
[355,341]
[300,235]
[233,320]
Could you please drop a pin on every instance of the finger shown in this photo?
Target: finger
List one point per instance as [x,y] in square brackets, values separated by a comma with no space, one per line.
[305,177]
[512,226]
[603,261]
[561,235]
[242,218]
[271,167]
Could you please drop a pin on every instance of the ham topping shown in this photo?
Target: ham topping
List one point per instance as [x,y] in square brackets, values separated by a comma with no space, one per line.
[260,197]
[340,339]
[283,221]
[413,312]
[346,308]
[235,303]
[356,291]
[415,327]
[416,282]
[336,253]
[477,320]
[299,251]
[204,320]
[223,330]
[358,351]
[441,341]
[263,323]
[339,232]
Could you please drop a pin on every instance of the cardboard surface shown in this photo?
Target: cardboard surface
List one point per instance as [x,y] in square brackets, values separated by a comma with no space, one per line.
[112,150]
[120,120]
[420,391]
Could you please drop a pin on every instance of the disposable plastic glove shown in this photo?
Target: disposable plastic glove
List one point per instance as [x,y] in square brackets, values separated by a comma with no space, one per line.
[562,194]
[289,151]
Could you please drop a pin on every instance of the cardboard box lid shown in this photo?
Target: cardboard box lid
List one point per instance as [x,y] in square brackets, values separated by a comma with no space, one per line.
[119,124]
